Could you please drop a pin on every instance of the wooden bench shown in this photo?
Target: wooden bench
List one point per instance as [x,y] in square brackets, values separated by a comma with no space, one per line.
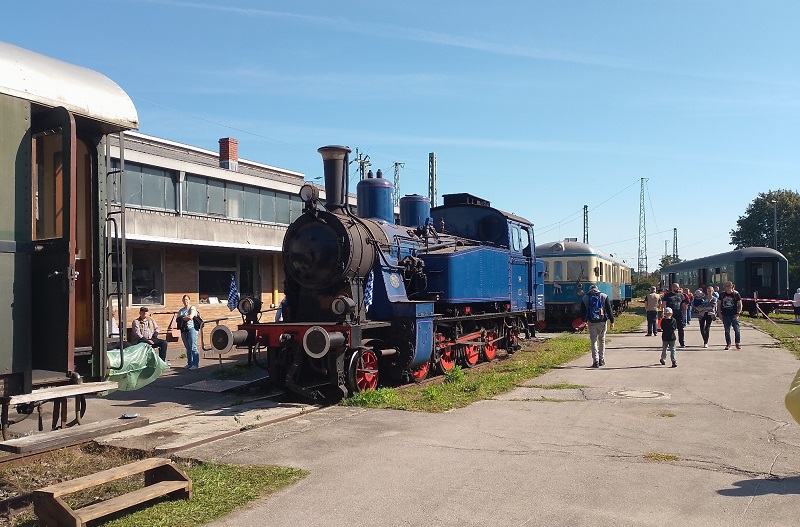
[161,478]
[59,396]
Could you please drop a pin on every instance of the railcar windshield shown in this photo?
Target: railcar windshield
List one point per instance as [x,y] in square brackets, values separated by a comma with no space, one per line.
[576,270]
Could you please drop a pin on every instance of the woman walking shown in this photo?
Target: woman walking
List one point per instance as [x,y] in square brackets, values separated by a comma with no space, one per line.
[188,332]
[708,313]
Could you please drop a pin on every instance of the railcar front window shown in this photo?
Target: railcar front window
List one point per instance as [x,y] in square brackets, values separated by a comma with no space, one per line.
[576,270]
[558,271]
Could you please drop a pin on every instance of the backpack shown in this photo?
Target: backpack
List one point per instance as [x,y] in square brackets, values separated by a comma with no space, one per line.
[595,311]
[198,321]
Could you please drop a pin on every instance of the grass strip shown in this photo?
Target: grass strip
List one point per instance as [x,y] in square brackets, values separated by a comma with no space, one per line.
[787,333]
[463,387]
[218,489]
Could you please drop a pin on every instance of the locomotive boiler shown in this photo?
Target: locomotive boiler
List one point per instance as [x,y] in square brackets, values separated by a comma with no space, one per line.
[369,299]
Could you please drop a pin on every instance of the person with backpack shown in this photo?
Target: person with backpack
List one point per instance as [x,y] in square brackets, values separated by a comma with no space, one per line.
[676,301]
[596,310]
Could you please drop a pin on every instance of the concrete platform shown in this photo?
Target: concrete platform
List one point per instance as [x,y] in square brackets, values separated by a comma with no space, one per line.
[708,443]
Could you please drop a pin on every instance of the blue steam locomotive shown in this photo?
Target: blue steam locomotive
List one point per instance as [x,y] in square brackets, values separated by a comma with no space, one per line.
[369,299]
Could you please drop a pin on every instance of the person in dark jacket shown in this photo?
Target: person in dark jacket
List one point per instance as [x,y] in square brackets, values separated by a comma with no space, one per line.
[597,324]
[668,326]
[676,301]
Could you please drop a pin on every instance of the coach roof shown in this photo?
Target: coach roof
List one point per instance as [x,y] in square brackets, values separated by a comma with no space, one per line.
[50,82]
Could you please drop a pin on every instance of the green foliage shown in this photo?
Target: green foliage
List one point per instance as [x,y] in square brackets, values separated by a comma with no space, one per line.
[218,490]
[455,375]
[784,330]
[641,284]
[756,228]
[380,398]
[462,387]
[627,322]
[232,372]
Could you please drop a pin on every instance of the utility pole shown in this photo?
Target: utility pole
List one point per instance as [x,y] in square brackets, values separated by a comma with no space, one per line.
[432,179]
[586,224]
[642,233]
[363,163]
[674,245]
[666,251]
[397,167]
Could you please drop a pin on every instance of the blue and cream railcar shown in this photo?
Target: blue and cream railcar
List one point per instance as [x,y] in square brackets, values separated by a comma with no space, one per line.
[570,268]
[760,274]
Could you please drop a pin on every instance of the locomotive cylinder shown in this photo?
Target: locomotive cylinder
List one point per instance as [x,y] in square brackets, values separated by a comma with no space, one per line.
[317,341]
[224,340]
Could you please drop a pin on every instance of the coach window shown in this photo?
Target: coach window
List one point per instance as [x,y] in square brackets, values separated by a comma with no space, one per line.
[147,276]
[546,271]
[558,271]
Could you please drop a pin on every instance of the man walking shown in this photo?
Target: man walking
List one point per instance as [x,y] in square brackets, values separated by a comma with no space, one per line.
[730,306]
[676,301]
[651,307]
[595,311]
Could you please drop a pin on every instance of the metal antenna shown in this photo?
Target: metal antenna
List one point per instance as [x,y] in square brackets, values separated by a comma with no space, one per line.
[642,233]
[432,179]
[397,167]
[675,245]
[586,224]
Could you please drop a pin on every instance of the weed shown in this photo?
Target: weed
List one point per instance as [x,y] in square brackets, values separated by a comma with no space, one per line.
[666,414]
[455,375]
[231,372]
[559,386]
[661,457]
[380,398]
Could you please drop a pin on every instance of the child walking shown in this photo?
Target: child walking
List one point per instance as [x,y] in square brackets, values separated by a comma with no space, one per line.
[669,327]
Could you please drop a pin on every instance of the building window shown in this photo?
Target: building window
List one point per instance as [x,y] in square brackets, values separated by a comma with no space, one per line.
[147,276]
[214,273]
[145,186]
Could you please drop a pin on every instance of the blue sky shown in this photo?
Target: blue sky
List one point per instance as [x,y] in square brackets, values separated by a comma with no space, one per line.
[540,107]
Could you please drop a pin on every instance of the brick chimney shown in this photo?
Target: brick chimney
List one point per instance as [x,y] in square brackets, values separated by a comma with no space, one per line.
[229,153]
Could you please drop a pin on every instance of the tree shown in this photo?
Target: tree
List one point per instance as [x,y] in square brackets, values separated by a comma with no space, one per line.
[756,228]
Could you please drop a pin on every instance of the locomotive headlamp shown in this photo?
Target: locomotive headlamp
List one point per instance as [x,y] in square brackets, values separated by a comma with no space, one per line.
[308,193]
[248,305]
[342,305]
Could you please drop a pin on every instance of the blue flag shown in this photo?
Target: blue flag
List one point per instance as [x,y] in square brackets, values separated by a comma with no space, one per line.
[233,294]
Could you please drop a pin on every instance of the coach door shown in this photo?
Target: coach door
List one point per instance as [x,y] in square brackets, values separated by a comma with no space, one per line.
[761,278]
[53,272]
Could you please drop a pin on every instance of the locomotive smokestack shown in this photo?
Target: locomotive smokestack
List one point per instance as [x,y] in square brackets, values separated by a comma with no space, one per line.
[333,159]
